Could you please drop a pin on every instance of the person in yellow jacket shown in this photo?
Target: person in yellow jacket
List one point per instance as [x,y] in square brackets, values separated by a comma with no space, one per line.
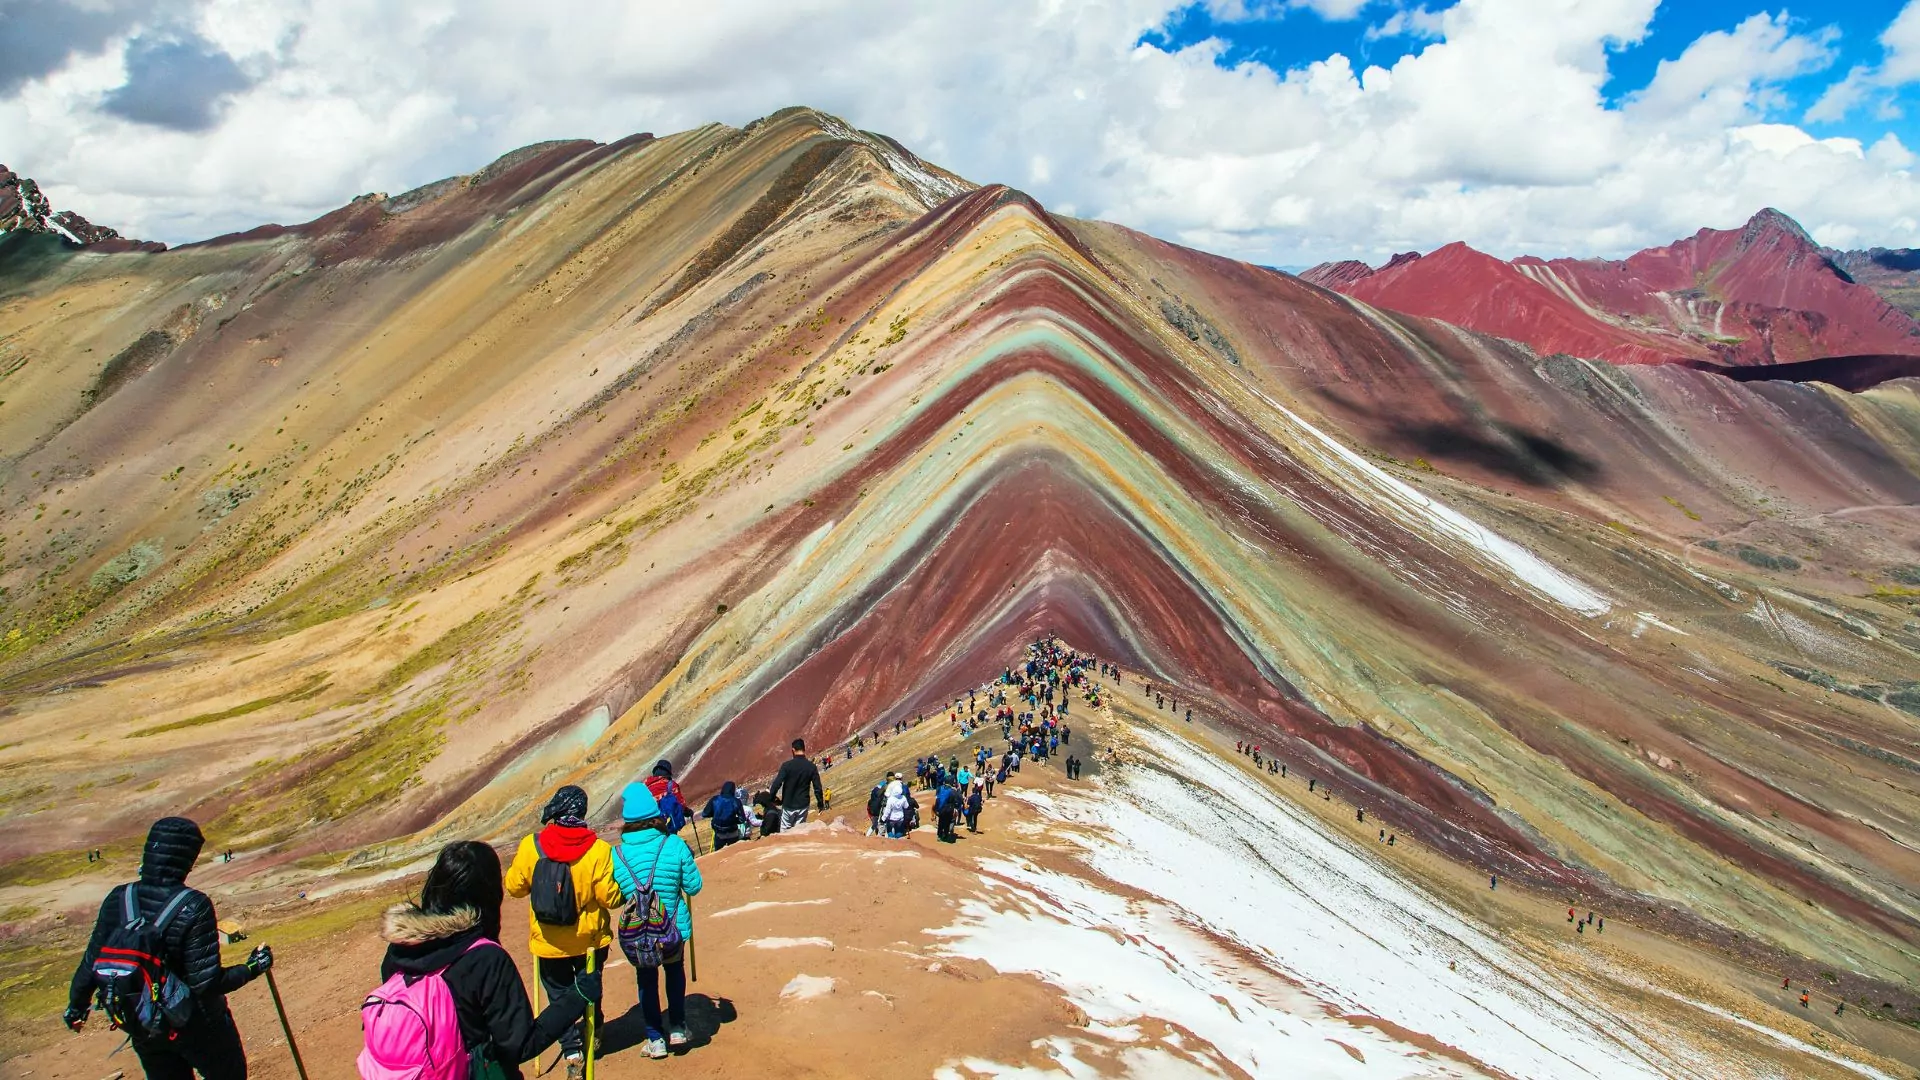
[567,871]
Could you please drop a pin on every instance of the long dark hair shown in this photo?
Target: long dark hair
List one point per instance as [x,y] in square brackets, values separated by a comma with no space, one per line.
[467,874]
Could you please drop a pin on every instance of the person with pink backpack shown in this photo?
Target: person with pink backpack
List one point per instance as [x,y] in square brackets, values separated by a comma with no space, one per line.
[452,1005]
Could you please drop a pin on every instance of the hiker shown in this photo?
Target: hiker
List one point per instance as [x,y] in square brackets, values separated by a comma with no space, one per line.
[450,937]
[899,808]
[768,806]
[728,814]
[946,807]
[974,804]
[192,1028]
[673,805]
[654,866]
[749,811]
[796,775]
[876,805]
[568,871]
[1493,881]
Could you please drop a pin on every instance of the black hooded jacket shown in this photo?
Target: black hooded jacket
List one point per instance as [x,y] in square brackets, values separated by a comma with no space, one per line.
[192,940]
[487,992]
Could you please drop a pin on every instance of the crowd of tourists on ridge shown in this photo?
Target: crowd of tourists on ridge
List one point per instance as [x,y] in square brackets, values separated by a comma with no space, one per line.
[450,1003]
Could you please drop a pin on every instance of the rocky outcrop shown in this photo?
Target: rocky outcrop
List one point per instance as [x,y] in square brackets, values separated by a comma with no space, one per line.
[1761,294]
[24,209]
[22,206]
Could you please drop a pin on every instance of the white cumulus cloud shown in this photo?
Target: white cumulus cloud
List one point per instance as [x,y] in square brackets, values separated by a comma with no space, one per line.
[1498,130]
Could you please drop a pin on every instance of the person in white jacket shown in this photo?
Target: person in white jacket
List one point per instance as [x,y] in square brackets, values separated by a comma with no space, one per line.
[895,815]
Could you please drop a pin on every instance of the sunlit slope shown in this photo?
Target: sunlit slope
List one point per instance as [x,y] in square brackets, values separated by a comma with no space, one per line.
[689,445]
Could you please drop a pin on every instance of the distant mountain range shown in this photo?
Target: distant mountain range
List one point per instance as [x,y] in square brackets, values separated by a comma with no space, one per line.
[1761,294]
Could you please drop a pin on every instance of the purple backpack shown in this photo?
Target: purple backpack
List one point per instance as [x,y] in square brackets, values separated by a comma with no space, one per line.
[648,934]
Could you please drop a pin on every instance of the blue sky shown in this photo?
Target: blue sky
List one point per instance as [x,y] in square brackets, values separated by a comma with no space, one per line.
[1296,35]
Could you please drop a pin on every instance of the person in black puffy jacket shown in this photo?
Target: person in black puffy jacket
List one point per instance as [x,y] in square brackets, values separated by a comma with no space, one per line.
[460,904]
[209,1042]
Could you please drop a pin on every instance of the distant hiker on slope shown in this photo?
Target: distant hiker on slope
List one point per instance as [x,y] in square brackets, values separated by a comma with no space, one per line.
[567,870]
[157,933]
[900,809]
[728,814]
[975,801]
[673,805]
[656,869]
[877,805]
[447,943]
[946,807]
[797,776]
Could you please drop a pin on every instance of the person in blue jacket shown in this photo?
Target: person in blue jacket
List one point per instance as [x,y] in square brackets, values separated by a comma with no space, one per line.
[647,852]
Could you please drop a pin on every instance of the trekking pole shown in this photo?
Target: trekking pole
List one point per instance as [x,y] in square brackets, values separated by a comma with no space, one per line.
[693,961]
[591,953]
[298,1065]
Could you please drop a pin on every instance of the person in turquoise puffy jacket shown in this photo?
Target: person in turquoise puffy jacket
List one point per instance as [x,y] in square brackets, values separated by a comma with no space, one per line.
[647,851]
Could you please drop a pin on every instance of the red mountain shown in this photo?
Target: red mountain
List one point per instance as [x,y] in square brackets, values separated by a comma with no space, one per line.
[1761,294]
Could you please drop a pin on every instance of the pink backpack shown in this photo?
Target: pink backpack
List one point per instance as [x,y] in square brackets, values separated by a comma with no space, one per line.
[412,1031]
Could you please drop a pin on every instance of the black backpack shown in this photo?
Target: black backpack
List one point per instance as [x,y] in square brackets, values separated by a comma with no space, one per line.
[876,800]
[130,976]
[553,900]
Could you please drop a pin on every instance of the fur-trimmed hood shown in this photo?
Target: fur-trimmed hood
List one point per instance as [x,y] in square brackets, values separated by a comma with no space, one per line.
[421,941]
[406,924]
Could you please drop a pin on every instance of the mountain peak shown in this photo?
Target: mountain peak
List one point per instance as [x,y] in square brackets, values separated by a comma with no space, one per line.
[1772,222]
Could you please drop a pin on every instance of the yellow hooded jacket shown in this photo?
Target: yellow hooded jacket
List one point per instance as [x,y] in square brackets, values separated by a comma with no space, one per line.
[594,890]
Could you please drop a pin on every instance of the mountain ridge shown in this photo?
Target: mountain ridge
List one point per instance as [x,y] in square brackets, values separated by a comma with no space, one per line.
[1761,294]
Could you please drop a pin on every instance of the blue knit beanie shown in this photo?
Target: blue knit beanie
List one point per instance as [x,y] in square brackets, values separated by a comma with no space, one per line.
[637,803]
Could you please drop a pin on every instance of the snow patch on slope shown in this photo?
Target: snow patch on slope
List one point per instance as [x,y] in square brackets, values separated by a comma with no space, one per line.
[1420,511]
[1278,943]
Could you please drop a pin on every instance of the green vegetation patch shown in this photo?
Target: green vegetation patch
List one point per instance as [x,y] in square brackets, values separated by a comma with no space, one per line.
[369,767]
[314,685]
[50,866]
[1765,560]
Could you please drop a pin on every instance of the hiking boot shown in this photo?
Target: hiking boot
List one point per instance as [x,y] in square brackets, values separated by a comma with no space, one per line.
[654,1048]
[677,1038]
[576,1066]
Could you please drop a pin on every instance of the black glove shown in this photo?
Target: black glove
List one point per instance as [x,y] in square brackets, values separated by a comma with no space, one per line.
[76,1018]
[260,961]
[587,984]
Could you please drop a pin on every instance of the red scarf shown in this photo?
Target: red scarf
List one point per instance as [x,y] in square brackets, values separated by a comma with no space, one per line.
[566,843]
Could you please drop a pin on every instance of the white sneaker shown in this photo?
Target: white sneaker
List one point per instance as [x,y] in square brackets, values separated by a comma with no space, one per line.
[654,1048]
[677,1038]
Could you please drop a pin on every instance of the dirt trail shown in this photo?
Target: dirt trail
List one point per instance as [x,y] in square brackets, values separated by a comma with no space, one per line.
[755,925]
[818,952]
